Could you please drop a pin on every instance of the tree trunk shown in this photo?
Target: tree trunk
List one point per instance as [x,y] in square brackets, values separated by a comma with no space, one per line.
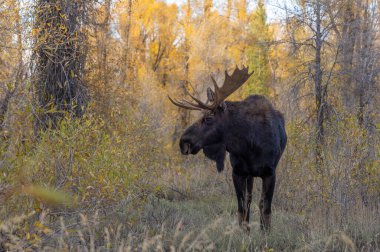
[349,31]
[103,43]
[126,64]
[59,58]
[367,59]
[4,103]
[318,89]
[229,8]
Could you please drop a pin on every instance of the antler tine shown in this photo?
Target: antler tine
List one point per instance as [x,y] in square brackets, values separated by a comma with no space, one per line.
[187,104]
[216,88]
[200,103]
[182,105]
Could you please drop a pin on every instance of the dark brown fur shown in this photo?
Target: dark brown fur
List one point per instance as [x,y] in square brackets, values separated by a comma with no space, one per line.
[253,133]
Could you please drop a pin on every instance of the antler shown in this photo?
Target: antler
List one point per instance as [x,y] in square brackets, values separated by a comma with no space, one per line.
[231,84]
[189,105]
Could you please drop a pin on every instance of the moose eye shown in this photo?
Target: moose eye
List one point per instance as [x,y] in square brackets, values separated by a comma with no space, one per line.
[208,120]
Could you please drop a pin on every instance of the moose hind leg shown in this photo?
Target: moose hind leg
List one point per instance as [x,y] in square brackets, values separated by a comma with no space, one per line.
[243,189]
[265,204]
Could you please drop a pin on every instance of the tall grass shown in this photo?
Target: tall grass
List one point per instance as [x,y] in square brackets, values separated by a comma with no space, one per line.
[193,225]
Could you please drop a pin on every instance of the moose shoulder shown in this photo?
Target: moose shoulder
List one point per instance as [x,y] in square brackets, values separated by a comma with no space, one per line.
[252,131]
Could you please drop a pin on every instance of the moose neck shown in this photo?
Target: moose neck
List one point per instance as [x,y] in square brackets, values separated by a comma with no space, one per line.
[235,129]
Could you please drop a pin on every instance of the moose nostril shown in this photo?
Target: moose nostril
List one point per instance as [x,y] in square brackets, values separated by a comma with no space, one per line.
[185,148]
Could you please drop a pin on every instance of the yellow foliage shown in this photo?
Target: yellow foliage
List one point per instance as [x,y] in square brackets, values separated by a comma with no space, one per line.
[123,148]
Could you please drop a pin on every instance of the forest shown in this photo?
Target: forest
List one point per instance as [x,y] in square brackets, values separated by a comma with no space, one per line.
[89,141]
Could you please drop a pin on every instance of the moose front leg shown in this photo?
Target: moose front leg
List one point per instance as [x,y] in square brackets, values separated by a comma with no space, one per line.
[265,204]
[243,189]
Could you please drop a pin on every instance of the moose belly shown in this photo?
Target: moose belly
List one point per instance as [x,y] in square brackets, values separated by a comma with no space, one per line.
[261,167]
[263,171]
[244,166]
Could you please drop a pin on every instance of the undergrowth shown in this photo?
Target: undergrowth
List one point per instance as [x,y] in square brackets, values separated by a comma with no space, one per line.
[90,186]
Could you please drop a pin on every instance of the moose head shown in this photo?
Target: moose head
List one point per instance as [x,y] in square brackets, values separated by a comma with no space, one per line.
[208,132]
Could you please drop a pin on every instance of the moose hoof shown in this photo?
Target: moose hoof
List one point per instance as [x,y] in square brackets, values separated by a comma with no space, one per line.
[243,223]
[265,225]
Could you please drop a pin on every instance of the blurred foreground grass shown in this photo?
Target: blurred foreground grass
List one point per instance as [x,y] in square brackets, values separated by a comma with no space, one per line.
[192,224]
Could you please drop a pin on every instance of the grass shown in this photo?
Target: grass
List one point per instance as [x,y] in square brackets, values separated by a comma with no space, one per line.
[154,202]
[195,224]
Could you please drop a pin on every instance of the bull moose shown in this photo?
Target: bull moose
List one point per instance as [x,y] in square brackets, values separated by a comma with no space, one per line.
[251,131]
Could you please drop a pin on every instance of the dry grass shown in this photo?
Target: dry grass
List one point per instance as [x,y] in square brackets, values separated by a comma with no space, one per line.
[183,219]
[132,197]
[192,225]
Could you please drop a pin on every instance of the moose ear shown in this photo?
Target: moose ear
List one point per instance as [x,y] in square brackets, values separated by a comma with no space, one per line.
[223,106]
[210,95]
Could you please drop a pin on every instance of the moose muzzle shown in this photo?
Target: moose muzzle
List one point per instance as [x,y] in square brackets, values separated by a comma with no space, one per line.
[188,147]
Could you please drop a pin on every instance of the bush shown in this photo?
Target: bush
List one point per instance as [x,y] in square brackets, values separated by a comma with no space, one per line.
[96,166]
